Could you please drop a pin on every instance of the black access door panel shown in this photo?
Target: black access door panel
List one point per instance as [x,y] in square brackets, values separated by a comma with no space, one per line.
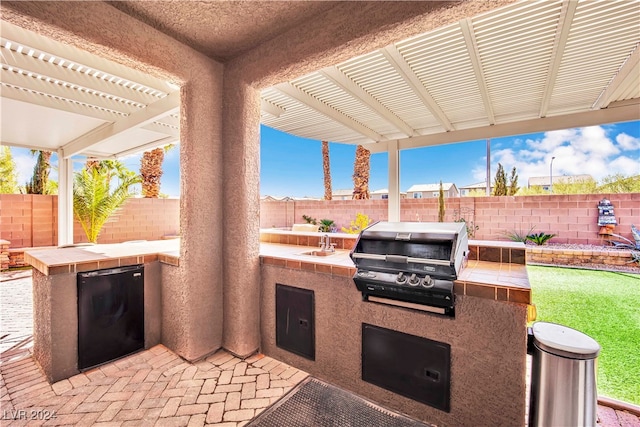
[110,314]
[415,367]
[295,321]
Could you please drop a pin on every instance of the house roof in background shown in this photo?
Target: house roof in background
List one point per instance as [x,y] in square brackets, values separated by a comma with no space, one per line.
[385,191]
[480,185]
[564,179]
[342,192]
[446,186]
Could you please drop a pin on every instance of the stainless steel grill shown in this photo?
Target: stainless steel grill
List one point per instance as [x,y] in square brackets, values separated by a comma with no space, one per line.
[412,264]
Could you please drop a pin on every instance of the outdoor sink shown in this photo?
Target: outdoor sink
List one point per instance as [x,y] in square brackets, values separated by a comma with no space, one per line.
[318,253]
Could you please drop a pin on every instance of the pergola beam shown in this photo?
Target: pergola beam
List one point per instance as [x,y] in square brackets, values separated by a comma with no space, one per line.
[158,127]
[167,105]
[398,62]
[466,25]
[622,81]
[148,146]
[311,102]
[28,146]
[560,42]
[354,90]
[626,112]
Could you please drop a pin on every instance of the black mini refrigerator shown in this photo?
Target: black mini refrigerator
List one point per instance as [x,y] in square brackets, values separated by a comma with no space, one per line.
[110,314]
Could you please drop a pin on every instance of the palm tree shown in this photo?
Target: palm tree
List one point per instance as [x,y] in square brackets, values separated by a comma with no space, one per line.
[361,173]
[151,170]
[40,178]
[93,200]
[327,170]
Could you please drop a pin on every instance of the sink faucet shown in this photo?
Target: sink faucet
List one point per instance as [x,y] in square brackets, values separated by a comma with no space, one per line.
[326,245]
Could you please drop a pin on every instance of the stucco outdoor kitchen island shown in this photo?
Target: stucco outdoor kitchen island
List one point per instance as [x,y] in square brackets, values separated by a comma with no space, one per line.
[55,296]
[487,336]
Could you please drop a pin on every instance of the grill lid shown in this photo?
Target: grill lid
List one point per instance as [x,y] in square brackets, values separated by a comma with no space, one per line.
[438,249]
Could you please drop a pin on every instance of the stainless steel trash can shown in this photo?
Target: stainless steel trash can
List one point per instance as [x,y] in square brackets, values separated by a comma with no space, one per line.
[563,377]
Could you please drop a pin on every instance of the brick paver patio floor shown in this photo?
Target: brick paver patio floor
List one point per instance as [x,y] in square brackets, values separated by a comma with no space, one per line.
[154,387]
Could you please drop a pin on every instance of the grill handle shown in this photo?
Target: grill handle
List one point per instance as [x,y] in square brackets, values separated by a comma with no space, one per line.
[399,259]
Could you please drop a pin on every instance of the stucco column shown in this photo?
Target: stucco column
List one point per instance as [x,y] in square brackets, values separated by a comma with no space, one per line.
[241,136]
[192,299]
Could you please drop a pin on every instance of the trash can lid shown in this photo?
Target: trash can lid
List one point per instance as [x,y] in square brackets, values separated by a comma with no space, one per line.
[564,341]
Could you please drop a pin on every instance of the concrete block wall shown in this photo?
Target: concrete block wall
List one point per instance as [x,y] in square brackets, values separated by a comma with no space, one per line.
[572,218]
[29,220]
[139,219]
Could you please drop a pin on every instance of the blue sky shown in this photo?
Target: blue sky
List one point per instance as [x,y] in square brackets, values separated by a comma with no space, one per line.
[292,166]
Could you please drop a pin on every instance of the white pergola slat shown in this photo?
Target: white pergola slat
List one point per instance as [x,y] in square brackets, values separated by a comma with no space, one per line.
[34,83]
[142,81]
[522,62]
[84,77]
[48,100]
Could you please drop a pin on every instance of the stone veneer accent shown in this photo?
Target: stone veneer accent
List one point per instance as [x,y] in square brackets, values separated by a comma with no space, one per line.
[577,257]
[4,254]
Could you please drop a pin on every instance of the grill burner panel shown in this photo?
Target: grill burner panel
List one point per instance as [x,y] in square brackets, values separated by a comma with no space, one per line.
[411,262]
[435,292]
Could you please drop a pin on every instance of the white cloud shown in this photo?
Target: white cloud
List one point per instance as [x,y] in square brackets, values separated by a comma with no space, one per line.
[627,142]
[587,150]
[24,165]
[626,165]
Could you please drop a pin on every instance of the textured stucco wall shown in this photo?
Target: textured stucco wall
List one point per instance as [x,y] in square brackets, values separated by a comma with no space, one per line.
[101,29]
[241,228]
[487,338]
[219,218]
[55,324]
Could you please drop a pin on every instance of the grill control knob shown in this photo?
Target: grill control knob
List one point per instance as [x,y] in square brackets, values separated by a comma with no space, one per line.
[428,282]
[401,279]
[413,280]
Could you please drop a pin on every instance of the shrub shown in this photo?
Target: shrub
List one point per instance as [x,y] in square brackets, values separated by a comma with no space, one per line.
[540,238]
[326,225]
[361,222]
[310,220]
[518,236]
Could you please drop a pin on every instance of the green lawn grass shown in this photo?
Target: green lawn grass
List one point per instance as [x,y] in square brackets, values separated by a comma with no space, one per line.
[603,305]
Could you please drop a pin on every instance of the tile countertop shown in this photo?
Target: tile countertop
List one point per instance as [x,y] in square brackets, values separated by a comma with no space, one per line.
[494,280]
[94,257]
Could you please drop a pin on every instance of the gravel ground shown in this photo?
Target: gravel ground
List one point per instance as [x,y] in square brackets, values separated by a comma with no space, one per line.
[629,268]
